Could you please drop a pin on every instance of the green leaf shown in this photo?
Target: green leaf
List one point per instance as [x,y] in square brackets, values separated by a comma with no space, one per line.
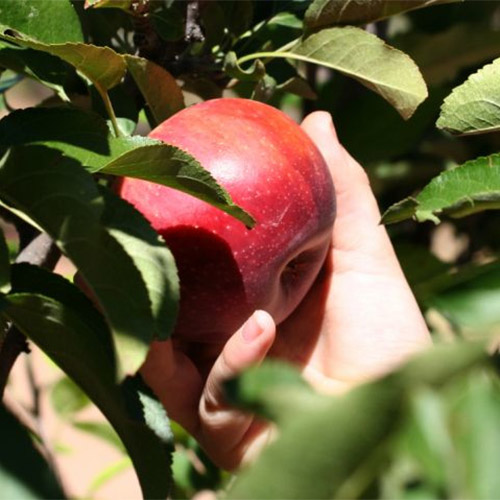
[458,192]
[49,21]
[67,333]
[168,21]
[323,13]
[273,390]
[172,167]
[441,56]
[255,73]
[105,475]
[150,255]
[4,264]
[468,297]
[476,416]
[67,398]
[335,446]
[474,106]
[82,136]
[365,57]
[64,200]
[388,136]
[159,88]
[100,430]
[47,69]
[101,65]
[24,473]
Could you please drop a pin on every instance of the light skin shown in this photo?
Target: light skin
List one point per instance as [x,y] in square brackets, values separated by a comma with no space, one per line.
[358,321]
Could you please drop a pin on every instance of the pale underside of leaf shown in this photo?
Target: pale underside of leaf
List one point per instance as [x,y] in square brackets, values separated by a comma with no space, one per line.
[464,190]
[101,65]
[474,106]
[365,57]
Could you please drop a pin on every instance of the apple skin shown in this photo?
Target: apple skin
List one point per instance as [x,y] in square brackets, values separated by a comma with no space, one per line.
[273,170]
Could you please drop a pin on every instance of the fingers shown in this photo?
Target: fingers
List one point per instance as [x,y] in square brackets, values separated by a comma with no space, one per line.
[348,176]
[359,240]
[175,381]
[224,432]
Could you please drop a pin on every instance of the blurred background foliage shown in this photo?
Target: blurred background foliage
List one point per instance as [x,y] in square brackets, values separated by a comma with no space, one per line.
[429,430]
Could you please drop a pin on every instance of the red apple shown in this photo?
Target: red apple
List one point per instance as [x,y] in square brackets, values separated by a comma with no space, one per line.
[272,169]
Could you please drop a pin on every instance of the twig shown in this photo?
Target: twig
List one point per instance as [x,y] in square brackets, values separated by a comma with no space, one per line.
[40,251]
[36,413]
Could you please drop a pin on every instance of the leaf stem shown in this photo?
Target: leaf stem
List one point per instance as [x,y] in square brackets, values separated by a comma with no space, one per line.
[281,52]
[109,109]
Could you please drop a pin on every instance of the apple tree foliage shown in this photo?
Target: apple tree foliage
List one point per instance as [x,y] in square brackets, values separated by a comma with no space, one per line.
[414,89]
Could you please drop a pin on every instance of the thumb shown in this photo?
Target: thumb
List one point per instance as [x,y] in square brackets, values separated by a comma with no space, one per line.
[361,243]
[226,433]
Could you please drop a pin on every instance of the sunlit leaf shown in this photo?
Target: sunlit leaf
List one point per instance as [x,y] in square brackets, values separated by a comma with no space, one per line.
[49,21]
[474,106]
[150,255]
[172,167]
[365,57]
[461,191]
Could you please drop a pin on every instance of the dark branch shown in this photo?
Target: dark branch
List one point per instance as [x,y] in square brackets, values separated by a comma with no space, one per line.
[41,251]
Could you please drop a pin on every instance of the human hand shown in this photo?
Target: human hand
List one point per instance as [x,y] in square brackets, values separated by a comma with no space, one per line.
[357,322]
[360,319]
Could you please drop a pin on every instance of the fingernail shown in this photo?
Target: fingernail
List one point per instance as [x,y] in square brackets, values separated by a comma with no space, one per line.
[251,329]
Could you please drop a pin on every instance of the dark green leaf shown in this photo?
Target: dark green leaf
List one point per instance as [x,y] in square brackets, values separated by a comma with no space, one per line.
[388,135]
[172,167]
[365,57]
[4,264]
[474,106]
[464,190]
[323,13]
[66,331]
[159,88]
[150,255]
[24,473]
[168,22]
[67,398]
[82,136]
[47,69]
[63,198]
[442,55]
[49,21]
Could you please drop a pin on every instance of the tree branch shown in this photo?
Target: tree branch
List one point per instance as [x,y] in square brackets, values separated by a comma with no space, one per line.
[40,251]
